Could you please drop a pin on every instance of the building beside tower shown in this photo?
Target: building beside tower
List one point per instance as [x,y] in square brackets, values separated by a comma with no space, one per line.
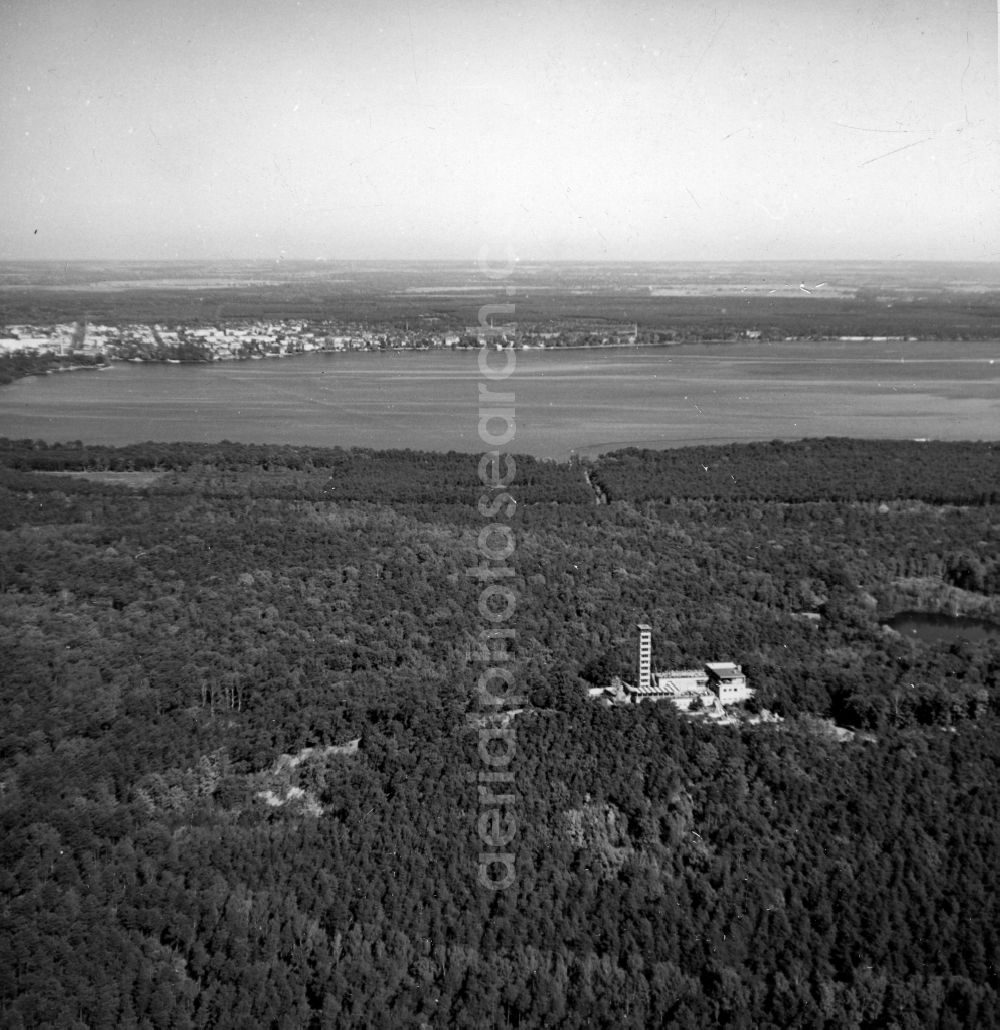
[727,682]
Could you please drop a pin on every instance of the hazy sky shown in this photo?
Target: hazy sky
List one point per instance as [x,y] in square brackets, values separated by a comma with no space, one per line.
[580,130]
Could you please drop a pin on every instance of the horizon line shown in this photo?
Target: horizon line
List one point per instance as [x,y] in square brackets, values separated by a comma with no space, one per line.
[523,261]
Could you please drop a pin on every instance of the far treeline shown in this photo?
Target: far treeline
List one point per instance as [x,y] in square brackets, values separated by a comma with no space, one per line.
[933,314]
[19,364]
[239,726]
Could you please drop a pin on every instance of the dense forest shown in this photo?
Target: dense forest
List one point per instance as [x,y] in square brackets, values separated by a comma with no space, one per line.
[239,725]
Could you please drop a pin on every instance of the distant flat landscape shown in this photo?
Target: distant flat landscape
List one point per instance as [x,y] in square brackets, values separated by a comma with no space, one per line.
[695,277]
[566,401]
[939,300]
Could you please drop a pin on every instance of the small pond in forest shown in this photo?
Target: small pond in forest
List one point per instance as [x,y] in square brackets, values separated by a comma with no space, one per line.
[938,628]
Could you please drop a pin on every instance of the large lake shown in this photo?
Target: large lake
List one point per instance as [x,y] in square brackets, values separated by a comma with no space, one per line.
[583,401]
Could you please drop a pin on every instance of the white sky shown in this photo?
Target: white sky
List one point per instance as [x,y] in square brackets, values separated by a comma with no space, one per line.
[682,130]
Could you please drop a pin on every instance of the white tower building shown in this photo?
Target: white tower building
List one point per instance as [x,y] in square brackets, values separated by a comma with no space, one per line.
[645,657]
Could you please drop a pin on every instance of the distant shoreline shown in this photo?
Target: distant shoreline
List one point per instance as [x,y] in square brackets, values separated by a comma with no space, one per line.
[110,363]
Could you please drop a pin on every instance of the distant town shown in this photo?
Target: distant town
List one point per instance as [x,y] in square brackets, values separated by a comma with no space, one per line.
[84,343]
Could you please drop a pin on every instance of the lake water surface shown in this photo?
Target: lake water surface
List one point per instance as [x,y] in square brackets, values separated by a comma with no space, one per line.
[935,628]
[586,401]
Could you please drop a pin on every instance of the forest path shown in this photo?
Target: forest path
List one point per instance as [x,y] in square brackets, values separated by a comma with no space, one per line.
[600,497]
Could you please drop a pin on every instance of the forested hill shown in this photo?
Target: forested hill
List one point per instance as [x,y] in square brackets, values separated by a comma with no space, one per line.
[194,637]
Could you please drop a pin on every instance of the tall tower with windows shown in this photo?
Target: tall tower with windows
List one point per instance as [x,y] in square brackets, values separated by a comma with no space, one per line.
[645,657]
